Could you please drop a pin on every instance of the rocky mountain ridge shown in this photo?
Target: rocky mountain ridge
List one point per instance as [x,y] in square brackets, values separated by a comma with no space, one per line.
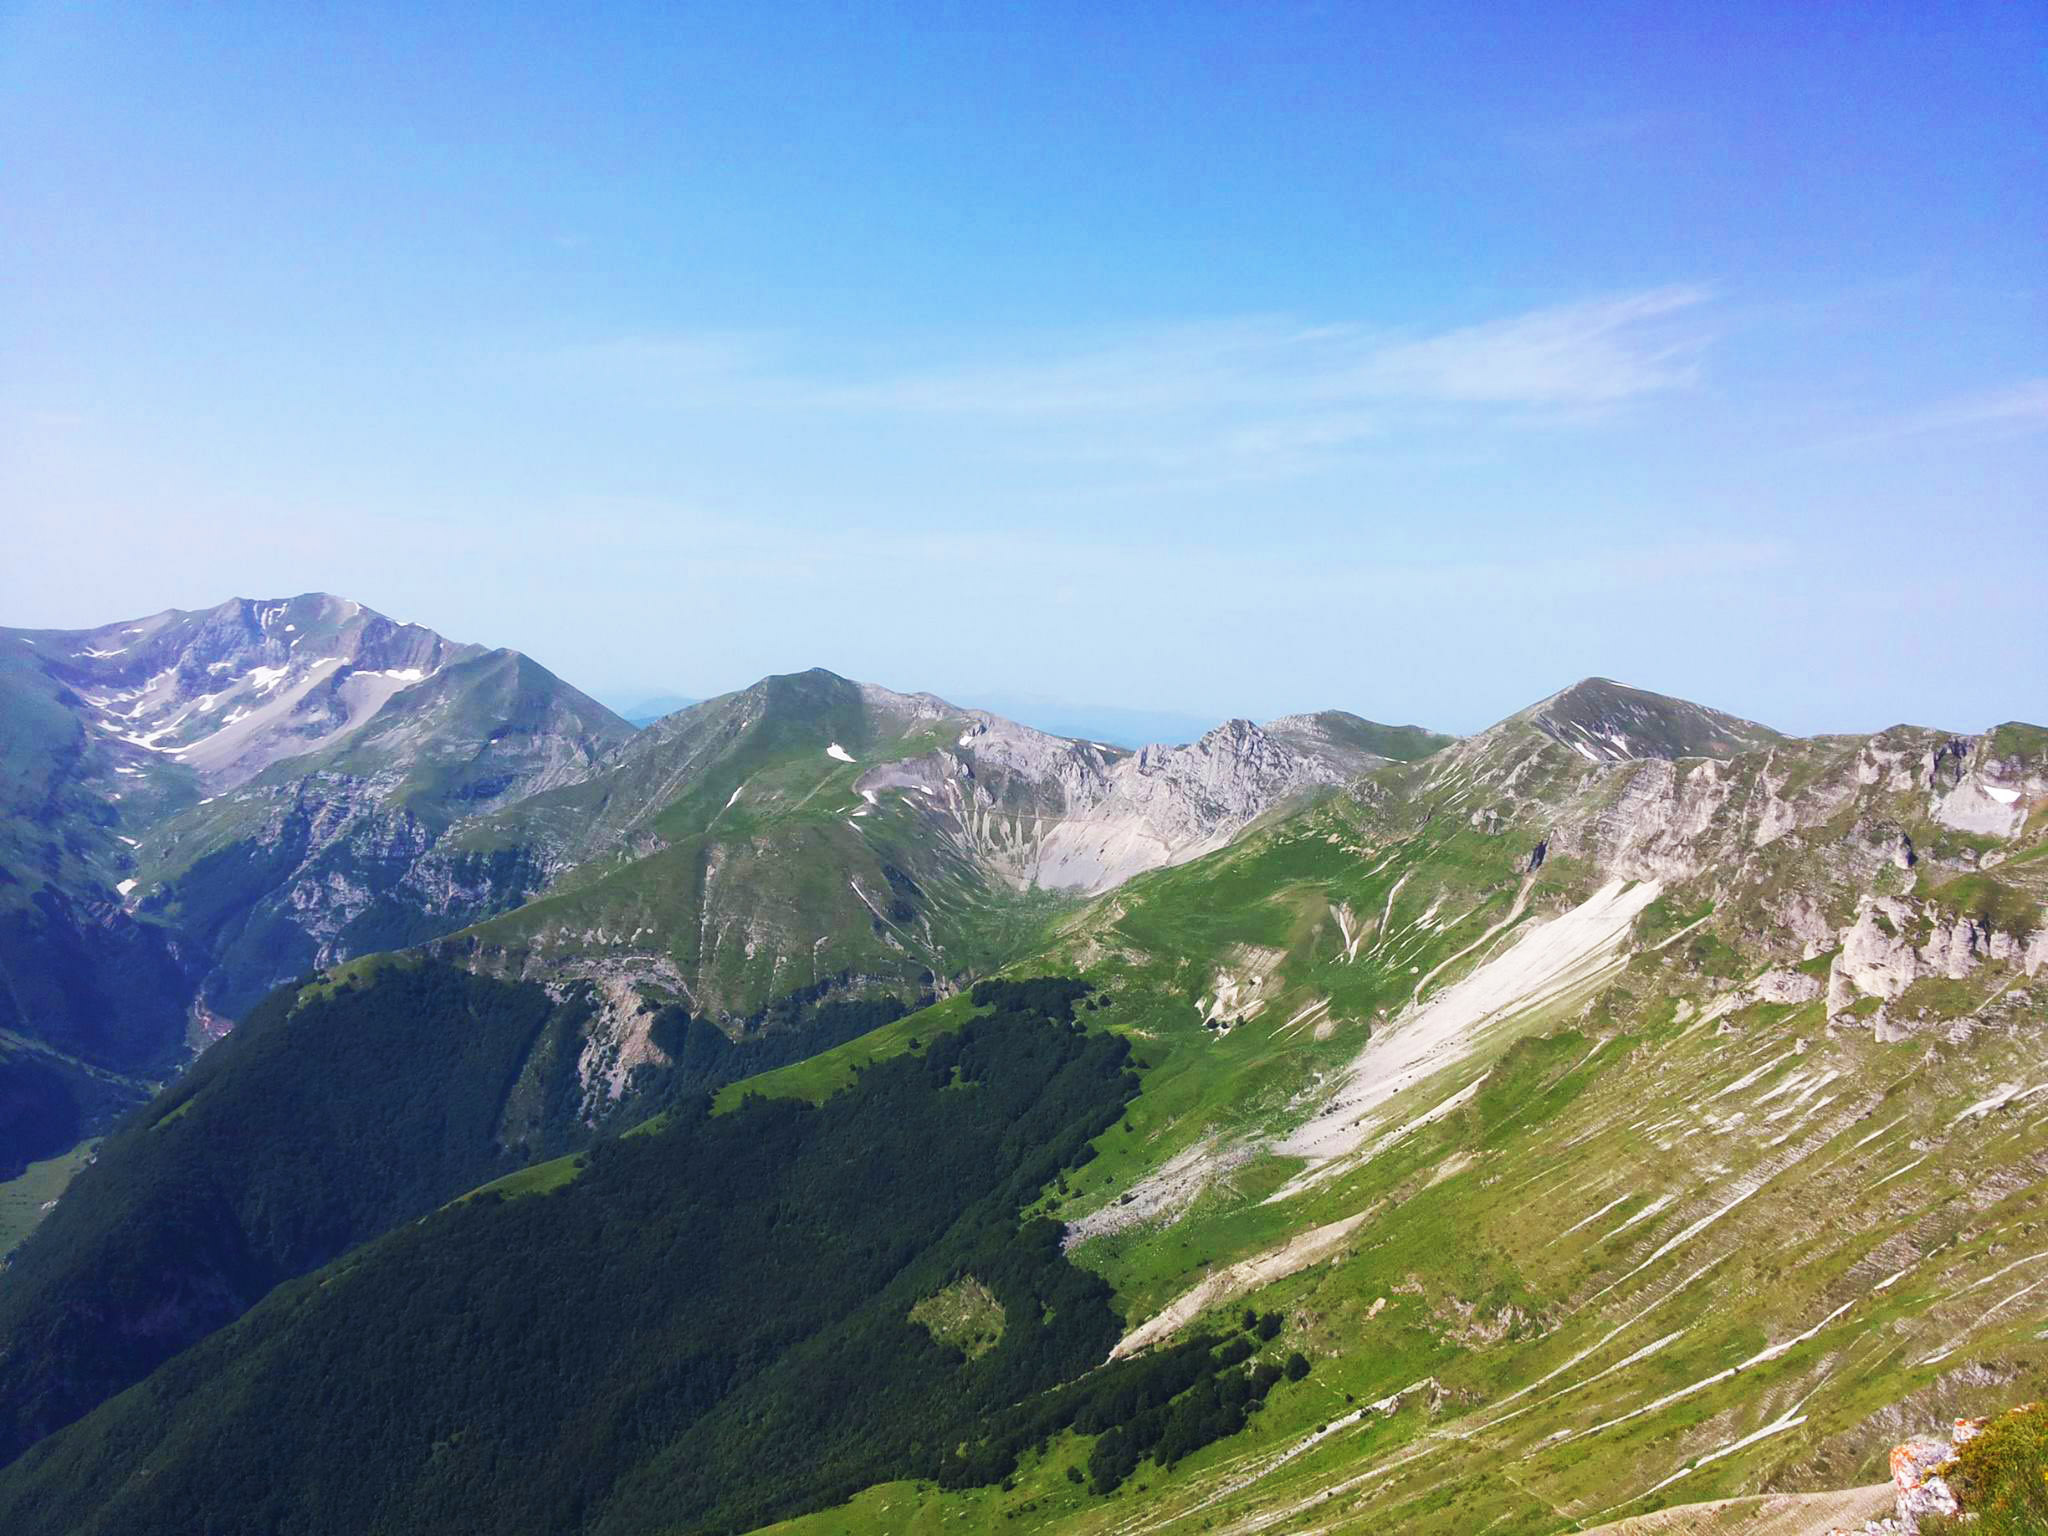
[1081,816]
[228,797]
[812,832]
[196,805]
[229,690]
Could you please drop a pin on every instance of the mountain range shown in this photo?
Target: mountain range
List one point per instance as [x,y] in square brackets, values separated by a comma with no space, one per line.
[1629,1104]
[201,805]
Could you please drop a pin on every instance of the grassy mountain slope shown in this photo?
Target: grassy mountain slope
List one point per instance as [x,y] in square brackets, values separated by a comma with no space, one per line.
[813,831]
[1622,1107]
[727,859]
[1728,1192]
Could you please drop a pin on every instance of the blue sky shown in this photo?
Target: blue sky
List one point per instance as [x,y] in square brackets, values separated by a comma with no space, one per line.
[1222,359]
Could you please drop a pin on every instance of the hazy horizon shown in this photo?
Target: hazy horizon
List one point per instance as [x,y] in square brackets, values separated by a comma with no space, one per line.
[1209,362]
[1124,723]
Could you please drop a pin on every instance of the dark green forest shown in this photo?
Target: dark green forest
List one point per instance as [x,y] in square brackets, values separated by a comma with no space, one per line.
[103,990]
[302,1134]
[707,1328]
[312,1128]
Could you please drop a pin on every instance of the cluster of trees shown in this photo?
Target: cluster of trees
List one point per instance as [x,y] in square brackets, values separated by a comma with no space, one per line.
[40,1115]
[299,1136]
[703,1058]
[1216,1406]
[707,1330]
[1165,1405]
[1048,997]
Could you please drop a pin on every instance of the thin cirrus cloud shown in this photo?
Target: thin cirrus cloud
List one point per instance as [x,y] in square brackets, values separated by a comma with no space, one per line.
[2014,409]
[1594,353]
[1258,391]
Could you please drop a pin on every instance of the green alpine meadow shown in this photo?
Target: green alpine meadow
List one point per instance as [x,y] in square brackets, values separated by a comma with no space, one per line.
[1043,769]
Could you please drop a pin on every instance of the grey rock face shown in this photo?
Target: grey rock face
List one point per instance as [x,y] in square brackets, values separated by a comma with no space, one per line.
[1608,722]
[1076,815]
[230,690]
[1879,957]
[1983,796]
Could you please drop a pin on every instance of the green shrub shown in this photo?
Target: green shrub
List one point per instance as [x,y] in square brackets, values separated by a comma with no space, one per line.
[2002,1475]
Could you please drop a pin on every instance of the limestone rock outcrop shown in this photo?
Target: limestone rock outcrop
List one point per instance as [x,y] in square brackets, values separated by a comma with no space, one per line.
[1083,816]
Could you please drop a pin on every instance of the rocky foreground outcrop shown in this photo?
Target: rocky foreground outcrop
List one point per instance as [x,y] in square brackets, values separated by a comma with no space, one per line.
[1923,1480]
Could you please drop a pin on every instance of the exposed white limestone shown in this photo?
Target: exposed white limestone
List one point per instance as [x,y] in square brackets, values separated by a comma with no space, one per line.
[1550,961]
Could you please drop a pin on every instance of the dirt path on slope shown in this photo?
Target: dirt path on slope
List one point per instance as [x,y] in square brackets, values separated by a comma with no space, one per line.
[1261,1269]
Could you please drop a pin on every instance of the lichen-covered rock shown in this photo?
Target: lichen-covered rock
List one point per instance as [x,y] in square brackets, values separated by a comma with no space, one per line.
[1918,1486]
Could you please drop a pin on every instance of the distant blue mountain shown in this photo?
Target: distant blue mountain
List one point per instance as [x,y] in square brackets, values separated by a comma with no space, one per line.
[645,711]
[1112,724]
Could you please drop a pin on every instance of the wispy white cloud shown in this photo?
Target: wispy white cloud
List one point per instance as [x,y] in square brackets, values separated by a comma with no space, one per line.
[1594,353]
[1578,354]
[1254,395]
[2015,408]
